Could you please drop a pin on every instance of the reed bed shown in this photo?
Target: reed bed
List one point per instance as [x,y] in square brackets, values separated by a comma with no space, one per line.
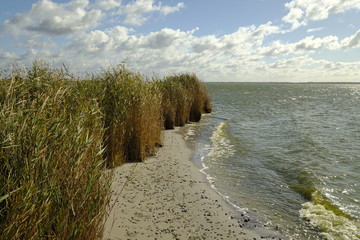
[132,116]
[184,99]
[52,185]
[59,135]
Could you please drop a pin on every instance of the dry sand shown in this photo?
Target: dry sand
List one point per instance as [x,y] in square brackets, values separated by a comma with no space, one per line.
[167,197]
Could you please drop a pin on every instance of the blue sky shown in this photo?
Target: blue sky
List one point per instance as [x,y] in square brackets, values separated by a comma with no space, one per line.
[232,40]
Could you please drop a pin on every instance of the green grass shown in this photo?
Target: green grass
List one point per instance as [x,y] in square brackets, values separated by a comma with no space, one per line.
[58,135]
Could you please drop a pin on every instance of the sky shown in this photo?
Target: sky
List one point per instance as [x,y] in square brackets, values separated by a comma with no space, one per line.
[219,40]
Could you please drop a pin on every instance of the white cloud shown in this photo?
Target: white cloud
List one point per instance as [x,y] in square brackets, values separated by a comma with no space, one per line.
[310,43]
[7,56]
[136,12]
[51,18]
[352,41]
[162,39]
[278,48]
[37,42]
[120,40]
[294,16]
[95,43]
[74,33]
[245,39]
[302,11]
[166,10]
[168,50]
[47,17]
[293,63]
[207,43]
[107,4]
[307,69]
[314,29]
[120,34]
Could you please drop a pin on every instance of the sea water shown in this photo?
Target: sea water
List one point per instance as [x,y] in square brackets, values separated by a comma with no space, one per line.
[286,154]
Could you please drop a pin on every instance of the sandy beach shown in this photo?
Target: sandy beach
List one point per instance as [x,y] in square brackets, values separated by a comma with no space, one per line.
[167,197]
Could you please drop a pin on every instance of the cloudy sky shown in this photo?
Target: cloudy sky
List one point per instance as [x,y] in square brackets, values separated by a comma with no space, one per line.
[219,40]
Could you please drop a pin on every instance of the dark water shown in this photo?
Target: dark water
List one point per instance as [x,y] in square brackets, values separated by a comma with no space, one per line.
[288,154]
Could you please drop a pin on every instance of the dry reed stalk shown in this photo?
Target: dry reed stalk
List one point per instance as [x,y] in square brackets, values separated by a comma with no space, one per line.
[57,136]
[52,181]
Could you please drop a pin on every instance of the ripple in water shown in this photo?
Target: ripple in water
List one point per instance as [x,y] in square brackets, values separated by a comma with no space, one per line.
[289,153]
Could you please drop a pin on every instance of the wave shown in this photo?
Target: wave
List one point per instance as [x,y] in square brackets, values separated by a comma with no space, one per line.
[221,148]
[332,221]
[332,226]
[221,141]
[190,133]
[329,218]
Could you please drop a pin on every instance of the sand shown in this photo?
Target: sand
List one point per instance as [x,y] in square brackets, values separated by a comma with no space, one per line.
[167,197]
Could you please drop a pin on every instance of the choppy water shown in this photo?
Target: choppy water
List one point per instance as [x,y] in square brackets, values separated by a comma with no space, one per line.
[288,154]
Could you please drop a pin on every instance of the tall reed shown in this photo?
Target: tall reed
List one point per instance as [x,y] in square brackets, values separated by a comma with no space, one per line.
[52,182]
[132,116]
[58,136]
[184,99]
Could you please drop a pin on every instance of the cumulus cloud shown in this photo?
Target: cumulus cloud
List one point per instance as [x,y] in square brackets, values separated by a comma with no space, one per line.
[207,43]
[50,18]
[107,4]
[77,34]
[305,68]
[7,56]
[120,40]
[136,12]
[294,17]
[165,10]
[302,11]
[169,50]
[277,48]
[244,39]
[311,43]
[308,44]
[162,39]
[293,63]
[314,29]
[352,41]
[120,34]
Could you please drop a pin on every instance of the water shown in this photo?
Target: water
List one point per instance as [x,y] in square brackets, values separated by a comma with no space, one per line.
[287,154]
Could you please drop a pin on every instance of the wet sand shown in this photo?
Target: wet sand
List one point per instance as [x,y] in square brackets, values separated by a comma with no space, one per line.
[167,197]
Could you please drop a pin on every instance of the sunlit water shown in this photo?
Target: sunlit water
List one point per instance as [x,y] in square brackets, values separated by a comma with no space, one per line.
[288,154]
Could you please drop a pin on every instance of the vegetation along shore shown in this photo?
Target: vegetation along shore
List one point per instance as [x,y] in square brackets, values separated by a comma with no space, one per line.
[59,136]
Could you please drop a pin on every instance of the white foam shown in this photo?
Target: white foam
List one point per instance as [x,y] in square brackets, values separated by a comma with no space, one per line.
[222,147]
[332,226]
[190,133]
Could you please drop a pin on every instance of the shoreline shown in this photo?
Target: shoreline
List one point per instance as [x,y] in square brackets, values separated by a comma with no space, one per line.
[167,197]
